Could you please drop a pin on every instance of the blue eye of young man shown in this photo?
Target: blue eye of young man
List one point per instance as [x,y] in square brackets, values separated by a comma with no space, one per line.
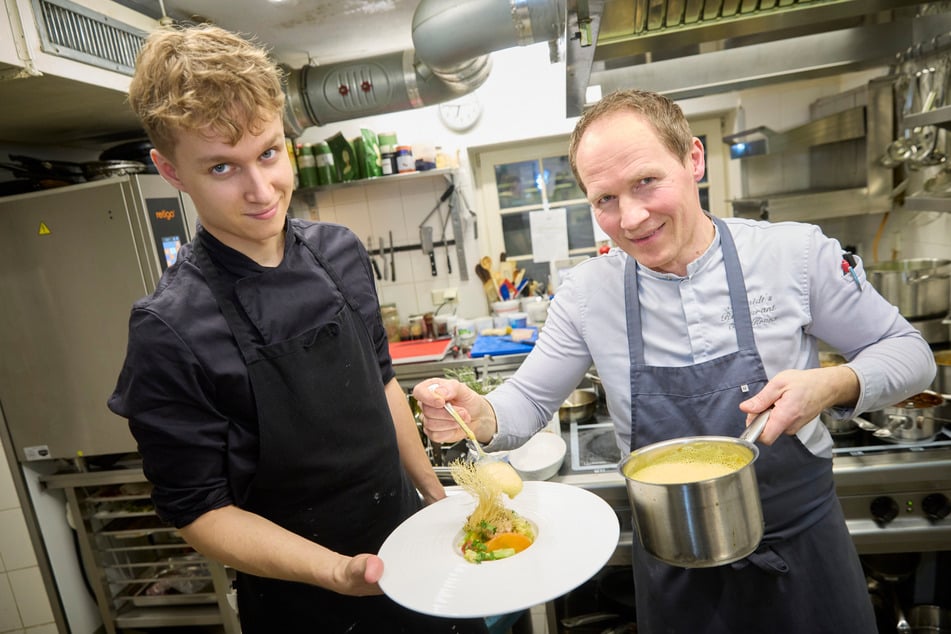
[220,168]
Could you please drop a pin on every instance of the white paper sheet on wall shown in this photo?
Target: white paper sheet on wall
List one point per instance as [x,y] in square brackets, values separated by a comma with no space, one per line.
[599,235]
[549,230]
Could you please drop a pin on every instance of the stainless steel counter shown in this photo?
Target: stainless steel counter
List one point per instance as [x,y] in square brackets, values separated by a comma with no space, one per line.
[409,374]
[895,496]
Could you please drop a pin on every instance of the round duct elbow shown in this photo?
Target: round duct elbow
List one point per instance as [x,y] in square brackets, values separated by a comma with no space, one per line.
[466,76]
[448,34]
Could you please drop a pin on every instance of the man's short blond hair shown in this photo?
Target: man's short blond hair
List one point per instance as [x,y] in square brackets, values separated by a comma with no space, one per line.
[204,80]
[661,113]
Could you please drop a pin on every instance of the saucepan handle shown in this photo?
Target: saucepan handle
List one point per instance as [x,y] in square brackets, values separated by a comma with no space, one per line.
[754,429]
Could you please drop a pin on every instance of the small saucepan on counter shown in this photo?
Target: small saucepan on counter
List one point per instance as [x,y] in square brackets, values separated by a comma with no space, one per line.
[913,420]
[838,425]
[835,425]
[578,407]
[695,500]
[595,380]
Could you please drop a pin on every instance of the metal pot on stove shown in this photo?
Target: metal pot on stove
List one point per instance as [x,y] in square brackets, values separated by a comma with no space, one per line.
[580,405]
[833,424]
[913,420]
[919,287]
[837,425]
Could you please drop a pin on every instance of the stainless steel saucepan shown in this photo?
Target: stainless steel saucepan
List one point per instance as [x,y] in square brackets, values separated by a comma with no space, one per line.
[703,523]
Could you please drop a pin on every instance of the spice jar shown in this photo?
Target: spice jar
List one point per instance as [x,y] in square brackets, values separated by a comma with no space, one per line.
[404,159]
[416,327]
[388,160]
[391,321]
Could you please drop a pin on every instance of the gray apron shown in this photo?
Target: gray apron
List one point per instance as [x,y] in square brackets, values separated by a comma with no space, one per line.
[799,580]
[328,467]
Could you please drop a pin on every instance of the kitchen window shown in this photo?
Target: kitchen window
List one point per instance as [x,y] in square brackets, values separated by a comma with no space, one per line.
[517,179]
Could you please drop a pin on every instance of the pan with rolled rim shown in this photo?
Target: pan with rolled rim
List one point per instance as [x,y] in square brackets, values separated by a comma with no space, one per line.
[709,512]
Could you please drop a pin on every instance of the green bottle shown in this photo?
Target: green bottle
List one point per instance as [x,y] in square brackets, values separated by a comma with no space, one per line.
[307,166]
[326,171]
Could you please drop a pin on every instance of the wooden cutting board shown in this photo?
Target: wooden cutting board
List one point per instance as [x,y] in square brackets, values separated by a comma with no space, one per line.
[419,350]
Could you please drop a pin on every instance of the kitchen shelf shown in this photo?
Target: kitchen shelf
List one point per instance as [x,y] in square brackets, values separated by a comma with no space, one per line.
[845,176]
[928,203]
[809,206]
[940,117]
[841,126]
[140,569]
[309,195]
[925,201]
[392,178]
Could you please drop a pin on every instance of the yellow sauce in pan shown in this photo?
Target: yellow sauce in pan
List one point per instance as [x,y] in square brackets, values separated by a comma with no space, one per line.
[692,462]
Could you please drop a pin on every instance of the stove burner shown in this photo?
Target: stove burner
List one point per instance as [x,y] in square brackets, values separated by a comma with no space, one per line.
[863,441]
[593,447]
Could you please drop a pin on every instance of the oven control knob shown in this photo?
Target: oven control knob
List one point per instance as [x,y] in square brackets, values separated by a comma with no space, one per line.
[884,509]
[936,506]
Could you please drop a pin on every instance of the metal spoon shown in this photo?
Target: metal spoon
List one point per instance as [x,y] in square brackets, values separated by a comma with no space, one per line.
[508,479]
[455,415]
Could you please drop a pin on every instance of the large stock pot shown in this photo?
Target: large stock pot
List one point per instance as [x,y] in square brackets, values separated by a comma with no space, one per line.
[918,287]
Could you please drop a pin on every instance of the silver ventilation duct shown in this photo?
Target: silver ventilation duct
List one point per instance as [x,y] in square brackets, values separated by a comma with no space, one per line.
[452,42]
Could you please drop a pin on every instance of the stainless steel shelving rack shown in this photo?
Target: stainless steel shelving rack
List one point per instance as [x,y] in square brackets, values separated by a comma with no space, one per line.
[940,117]
[140,570]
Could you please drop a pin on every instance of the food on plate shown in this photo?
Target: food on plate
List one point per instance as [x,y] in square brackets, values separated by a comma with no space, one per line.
[509,482]
[492,531]
[691,462]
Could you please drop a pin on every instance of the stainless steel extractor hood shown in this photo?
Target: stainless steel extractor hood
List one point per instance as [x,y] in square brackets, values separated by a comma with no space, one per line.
[689,48]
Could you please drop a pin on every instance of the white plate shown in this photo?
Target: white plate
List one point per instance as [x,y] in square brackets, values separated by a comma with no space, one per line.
[424,571]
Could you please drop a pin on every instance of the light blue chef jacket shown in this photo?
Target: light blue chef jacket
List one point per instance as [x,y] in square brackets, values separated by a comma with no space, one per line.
[798,295]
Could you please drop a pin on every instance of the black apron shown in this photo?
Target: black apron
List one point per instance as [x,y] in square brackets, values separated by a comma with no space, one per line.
[798,580]
[328,466]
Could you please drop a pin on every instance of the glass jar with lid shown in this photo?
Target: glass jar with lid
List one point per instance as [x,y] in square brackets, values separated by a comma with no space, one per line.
[391,321]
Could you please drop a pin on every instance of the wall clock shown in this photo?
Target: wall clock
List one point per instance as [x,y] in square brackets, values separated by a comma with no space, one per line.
[460,114]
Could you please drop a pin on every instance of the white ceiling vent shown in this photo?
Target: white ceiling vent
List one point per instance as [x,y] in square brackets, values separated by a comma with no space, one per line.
[72,31]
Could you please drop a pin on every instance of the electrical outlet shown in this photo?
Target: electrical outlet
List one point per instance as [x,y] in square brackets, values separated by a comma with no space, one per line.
[442,296]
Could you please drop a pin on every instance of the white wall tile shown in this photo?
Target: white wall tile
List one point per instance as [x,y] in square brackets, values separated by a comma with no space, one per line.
[9,615]
[47,628]
[349,195]
[30,595]
[356,216]
[15,545]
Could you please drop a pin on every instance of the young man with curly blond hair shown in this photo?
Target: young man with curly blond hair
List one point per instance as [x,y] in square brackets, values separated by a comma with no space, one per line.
[258,381]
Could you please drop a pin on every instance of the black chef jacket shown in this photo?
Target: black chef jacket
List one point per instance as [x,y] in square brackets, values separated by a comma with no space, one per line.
[184,386]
